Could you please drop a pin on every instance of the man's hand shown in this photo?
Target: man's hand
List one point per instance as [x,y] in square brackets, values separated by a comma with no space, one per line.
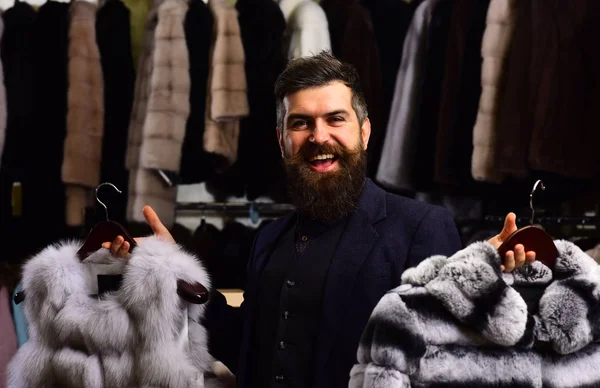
[515,258]
[119,247]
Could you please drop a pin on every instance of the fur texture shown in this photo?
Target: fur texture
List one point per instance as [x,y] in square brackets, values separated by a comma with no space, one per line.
[142,335]
[459,322]
[307,30]
[85,117]
[227,99]
[494,50]
[3,102]
[160,112]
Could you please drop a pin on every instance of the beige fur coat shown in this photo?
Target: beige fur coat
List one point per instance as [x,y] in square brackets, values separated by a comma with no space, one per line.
[160,112]
[227,99]
[85,116]
[496,42]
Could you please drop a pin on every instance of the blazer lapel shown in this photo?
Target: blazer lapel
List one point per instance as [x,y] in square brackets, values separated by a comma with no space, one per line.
[355,246]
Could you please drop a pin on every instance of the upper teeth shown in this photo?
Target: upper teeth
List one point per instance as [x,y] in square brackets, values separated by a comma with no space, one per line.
[322,157]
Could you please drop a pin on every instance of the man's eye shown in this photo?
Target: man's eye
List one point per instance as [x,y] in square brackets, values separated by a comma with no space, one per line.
[299,124]
[336,119]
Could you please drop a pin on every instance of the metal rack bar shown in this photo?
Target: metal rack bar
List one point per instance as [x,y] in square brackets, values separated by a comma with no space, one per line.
[237,208]
[547,220]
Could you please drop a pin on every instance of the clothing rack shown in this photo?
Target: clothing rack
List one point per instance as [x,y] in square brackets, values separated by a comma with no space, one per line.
[549,220]
[261,209]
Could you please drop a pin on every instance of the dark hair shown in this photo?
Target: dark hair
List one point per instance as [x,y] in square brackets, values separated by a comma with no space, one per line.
[315,71]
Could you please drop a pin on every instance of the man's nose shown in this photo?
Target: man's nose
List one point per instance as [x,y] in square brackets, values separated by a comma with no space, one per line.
[320,134]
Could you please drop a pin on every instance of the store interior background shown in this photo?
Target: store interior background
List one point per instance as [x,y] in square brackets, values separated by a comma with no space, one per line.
[567,208]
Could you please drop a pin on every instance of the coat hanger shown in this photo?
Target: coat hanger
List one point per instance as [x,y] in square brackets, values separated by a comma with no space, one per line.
[104,231]
[533,238]
[108,230]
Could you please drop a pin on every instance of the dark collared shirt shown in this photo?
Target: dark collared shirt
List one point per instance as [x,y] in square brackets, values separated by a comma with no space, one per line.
[289,300]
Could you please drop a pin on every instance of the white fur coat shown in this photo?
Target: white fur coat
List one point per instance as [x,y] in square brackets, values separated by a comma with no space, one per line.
[142,335]
[307,28]
[460,322]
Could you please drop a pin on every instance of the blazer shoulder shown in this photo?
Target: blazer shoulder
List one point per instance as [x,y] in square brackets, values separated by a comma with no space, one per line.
[411,209]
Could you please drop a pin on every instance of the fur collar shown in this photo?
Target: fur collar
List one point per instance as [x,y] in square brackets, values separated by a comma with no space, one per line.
[471,286]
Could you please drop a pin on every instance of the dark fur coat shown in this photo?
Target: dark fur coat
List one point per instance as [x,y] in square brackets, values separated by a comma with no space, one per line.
[460,322]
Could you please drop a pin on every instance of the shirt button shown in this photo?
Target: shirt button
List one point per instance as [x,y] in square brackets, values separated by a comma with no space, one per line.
[286,314]
[290,283]
[279,378]
[304,238]
[282,345]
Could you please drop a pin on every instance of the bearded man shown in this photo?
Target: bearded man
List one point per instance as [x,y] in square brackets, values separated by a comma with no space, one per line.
[315,275]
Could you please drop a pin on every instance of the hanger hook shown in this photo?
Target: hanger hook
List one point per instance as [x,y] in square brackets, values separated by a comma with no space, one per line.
[98,199]
[541,184]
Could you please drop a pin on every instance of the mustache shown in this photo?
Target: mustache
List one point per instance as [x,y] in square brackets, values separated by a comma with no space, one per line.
[309,150]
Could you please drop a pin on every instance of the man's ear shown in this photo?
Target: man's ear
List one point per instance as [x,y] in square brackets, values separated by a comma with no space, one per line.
[365,132]
[280,140]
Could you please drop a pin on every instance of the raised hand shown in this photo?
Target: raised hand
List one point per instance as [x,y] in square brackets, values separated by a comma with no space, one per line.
[119,247]
[517,257]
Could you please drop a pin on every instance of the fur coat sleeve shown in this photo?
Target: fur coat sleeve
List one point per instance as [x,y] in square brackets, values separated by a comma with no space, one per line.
[494,50]
[227,99]
[459,321]
[140,335]
[160,112]
[85,116]
[397,157]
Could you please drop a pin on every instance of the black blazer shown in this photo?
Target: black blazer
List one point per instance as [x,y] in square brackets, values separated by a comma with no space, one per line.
[386,235]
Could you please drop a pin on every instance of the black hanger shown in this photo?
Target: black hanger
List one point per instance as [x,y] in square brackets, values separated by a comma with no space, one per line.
[533,238]
[108,230]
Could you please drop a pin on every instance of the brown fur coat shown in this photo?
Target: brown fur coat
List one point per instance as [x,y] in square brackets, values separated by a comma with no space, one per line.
[3,108]
[85,117]
[227,99]
[160,112]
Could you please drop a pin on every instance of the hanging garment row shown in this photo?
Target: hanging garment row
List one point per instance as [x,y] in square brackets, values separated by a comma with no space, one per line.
[184,90]
[130,94]
[491,91]
[73,120]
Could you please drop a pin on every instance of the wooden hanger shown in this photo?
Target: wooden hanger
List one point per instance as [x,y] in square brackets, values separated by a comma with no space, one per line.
[104,231]
[533,238]
[108,230]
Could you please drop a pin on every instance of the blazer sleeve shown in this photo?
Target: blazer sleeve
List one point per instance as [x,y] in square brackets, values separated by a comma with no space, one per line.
[390,348]
[223,324]
[436,234]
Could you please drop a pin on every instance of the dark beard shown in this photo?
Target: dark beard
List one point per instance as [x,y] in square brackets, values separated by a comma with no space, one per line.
[327,196]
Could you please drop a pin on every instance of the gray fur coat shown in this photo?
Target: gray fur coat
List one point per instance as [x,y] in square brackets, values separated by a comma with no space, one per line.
[142,335]
[460,322]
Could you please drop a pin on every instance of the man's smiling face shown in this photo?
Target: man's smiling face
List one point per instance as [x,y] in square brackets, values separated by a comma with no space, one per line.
[321,123]
[324,149]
